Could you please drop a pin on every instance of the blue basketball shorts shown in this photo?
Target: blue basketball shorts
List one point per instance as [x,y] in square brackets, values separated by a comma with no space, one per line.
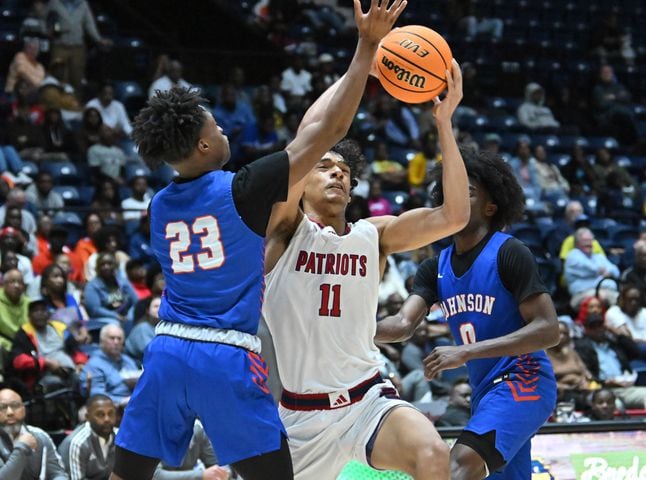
[222,385]
[514,408]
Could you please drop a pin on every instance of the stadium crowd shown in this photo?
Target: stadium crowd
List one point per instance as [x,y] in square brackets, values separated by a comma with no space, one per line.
[80,289]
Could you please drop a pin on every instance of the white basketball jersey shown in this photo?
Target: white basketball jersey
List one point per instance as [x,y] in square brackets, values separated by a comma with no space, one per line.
[321,307]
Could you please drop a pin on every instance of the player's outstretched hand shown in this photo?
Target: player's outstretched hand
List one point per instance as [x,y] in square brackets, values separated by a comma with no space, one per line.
[444,109]
[216,473]
[443,358]
[374,25]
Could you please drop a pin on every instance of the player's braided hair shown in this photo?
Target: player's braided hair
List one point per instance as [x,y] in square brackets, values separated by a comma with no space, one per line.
[494,175]
[350,150]
[168,128]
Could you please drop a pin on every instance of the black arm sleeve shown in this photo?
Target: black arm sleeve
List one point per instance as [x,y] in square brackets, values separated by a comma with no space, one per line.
[425,283]
[257,186]
[518,270]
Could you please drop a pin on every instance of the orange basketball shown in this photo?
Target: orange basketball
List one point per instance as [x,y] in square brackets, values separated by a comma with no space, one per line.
[412,63]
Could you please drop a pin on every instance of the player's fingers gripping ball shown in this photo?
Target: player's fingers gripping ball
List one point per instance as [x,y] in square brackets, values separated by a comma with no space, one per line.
[411,63]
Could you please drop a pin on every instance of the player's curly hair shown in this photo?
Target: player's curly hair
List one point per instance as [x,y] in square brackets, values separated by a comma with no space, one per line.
[494,175]
[168,128]
[350,150]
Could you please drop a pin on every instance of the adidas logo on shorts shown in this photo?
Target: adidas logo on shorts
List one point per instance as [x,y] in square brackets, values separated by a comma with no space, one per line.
[339,399]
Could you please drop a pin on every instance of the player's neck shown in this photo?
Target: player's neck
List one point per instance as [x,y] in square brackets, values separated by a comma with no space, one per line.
[466,240]
[336,221]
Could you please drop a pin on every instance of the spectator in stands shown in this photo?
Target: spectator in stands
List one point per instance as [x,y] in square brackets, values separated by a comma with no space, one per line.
[106,200]
[259,139]
[476,23]
[621,199]
[156,283]
[608,359]
[611,41]
[25,65]
[43,227]
[42,348]
[574,219]
[112,111]
[12,240]
[55,92]
[107,240]
[34,25]
[200,450]
[13,220]
[326,69]
[139,245]
[296,80]
[377,204]
[628,317]
[61,303]
[416,347]
[28,452]
[13,307]
[88,452]
[106,157]
[580,174]
[396,123]
[90,132]
[74,23]
[59,140]
[137,203]
[574,382]
[57,243]
[42,196]
[602,405]
[172,78]
[26,137]
[458,412]
[636,273]
[605,163]
[136,274]
[523,165]
[549,176]
[392,174]
[233,116]
[86,246]
[113,373]
[534,114]
[584,270]
[612,103]
[144,329]
[109,296]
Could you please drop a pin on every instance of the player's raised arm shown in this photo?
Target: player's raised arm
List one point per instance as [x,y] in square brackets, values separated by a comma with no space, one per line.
[419,227]
[329,118]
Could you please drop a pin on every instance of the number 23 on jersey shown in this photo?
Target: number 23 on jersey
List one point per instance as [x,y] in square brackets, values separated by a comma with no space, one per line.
[211,254]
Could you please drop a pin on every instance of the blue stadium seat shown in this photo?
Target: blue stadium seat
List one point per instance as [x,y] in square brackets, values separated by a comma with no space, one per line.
[623,235]
[136,169]
[126,89]
[396,199]
[506,123]
[69,193]
[63,173]
[527,233]
[86,193]
[595,143]
[29,168]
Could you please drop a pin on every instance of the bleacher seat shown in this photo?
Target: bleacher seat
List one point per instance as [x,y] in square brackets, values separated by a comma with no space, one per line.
[69,193]
[86,193]
[73,223]
[136,169]
[63,172]
[506,123]
[396,199]
[29,168]
[527,233]
[595,143]
[623,235]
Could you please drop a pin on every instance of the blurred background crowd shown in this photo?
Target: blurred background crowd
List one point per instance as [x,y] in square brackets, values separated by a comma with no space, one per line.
[555,87]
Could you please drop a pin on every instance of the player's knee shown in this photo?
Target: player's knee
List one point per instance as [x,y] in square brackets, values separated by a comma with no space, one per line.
[432,457]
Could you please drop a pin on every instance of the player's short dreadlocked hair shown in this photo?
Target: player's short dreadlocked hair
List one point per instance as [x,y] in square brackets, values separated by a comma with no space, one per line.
[494,175]
[167,129]
[351,152]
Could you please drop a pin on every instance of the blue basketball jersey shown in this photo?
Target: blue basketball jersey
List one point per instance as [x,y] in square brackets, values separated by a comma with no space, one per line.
[478,307]
[195,233]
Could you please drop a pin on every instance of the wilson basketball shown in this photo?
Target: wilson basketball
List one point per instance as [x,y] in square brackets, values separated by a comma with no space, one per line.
[411,62]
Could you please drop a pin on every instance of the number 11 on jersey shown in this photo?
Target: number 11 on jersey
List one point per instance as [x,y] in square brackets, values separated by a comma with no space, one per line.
[330,300]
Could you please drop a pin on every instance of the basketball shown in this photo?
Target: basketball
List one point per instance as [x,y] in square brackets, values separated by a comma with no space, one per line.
[411,63]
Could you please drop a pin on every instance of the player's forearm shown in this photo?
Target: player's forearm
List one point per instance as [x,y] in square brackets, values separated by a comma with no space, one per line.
[393,329]
[455,182]
[537,335]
